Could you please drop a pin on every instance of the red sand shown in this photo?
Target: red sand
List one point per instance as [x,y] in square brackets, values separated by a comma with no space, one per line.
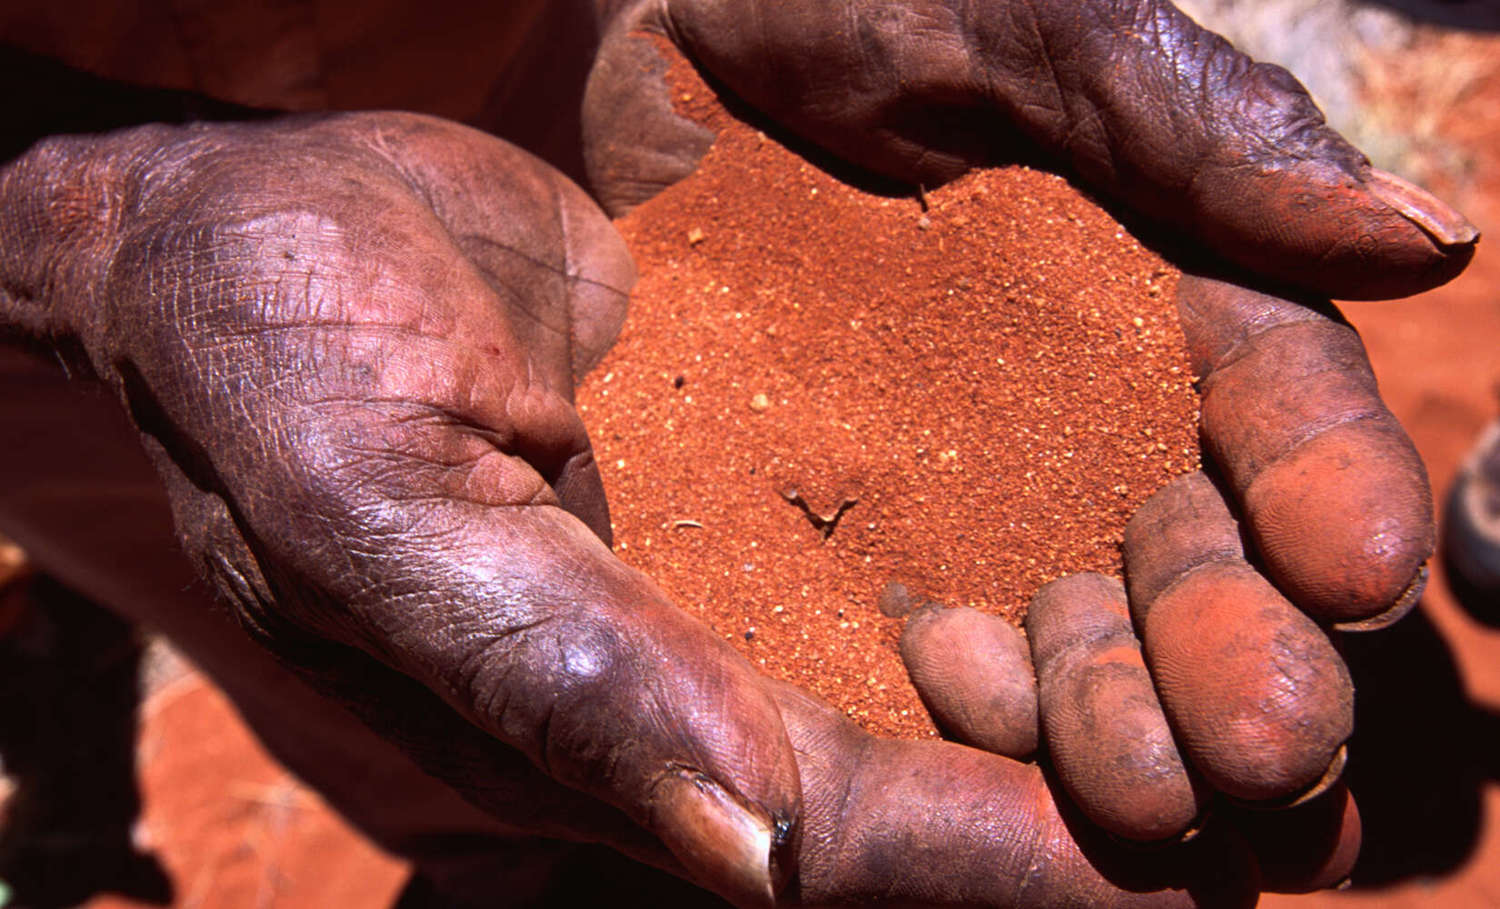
[970,399]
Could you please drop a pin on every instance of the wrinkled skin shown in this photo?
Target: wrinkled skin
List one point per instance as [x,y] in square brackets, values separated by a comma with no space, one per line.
[341,438]
[348,346]
[1112,747]
[1142,105]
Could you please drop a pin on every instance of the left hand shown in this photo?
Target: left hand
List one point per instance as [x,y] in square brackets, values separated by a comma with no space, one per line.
[348,345]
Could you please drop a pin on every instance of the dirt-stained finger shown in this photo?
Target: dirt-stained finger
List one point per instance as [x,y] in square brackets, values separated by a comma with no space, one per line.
[1260,701]
[1333,493]
[974,673]
[1107,736]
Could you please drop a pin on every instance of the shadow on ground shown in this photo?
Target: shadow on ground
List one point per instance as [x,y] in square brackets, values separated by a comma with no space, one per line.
[69,687]
[1421,754]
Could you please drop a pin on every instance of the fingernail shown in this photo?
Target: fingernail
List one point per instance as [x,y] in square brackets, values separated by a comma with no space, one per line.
[725,845]
[1330,776]
[1195,828]
[1404,604]
[1436,218]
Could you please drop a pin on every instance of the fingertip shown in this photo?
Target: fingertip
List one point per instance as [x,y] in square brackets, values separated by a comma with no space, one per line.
[1330,778]
[1313,846]
[1332,491]
[974,673]
[1352,234]
[580,491]
[635,144]
[1404,604]
[1441,222]
[1344,521]
[1257,696]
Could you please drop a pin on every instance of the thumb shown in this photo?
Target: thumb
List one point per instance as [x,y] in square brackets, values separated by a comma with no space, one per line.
[1184,128]
[635,143]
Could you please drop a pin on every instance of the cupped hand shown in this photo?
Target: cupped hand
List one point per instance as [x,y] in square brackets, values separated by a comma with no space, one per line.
[1174,126]
[1139,103]
[349,345]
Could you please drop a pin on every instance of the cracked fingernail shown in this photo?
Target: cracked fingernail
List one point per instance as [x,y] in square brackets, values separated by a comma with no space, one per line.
[724,844]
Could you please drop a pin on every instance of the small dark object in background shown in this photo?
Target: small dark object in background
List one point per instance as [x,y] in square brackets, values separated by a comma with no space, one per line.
[1471,530]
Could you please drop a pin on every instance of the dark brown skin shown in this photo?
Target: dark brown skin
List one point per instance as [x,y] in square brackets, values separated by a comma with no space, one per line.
[1110,742]
[1177,126]
[1259,700]
[1334,495]
[974,674]
[1345,534]
[348,345]
[351,482]
[1346,545]
[1035,851]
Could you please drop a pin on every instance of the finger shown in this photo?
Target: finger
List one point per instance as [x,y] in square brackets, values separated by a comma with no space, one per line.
[1146,107]
[1260,701]
[635,143]
[1312,846]
[973,671]
[937,824]
[1333,493]
[1107,736]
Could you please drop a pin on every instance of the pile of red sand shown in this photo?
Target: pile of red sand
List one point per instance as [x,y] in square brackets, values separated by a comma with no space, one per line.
[819,391]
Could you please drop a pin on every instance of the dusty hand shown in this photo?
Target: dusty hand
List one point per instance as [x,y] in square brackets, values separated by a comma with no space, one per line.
[1320,484]
[349,344]
[1172,124]
[1142,105]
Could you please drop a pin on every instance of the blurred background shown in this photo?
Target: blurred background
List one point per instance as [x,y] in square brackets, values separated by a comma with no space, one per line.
[1416,83]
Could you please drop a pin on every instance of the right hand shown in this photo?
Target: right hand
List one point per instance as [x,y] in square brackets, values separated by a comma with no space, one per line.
[1171,123]
[349,345]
